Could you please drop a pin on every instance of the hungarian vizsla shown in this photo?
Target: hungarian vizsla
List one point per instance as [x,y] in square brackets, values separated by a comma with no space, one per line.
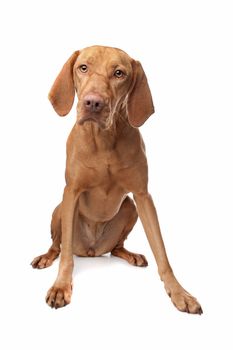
[106,160]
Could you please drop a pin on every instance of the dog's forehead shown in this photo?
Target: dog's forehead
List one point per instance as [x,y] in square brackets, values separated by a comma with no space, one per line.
[104,54]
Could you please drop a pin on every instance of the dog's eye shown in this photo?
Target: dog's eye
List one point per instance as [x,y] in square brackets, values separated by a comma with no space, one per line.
[118,73]
[83,68]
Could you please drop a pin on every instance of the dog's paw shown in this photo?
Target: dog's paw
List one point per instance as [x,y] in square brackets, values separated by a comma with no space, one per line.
[185,302]
[132,258]
[137,260]
[42,261]
[59,296]
[45,260]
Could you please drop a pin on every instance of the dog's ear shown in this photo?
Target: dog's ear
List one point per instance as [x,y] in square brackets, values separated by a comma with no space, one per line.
[62,92]
[140,105]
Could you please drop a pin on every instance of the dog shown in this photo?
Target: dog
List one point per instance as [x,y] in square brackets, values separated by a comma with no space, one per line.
[106,161]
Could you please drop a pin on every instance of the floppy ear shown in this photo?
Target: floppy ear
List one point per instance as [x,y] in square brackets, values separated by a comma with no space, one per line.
[140,104]
[62,92]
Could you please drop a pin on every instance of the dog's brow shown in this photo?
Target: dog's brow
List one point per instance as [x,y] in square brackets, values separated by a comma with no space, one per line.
[90,60]
[87,59]
[119,62]
[115,63]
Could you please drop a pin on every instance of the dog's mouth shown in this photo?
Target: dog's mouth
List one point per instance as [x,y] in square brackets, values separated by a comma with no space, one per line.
[92,118]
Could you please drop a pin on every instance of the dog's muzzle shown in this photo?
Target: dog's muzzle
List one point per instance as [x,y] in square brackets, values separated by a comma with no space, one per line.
[92,108]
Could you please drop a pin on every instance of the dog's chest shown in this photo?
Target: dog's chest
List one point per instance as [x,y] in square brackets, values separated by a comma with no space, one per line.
[104,192]
[105,163]
[104,172]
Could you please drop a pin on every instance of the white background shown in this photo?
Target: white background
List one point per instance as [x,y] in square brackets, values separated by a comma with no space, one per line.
[185,48]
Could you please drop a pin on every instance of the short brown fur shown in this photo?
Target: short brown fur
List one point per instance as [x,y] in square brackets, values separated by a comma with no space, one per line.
[105,161]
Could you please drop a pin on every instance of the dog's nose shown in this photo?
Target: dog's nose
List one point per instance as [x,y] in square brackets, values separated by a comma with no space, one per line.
[93,103]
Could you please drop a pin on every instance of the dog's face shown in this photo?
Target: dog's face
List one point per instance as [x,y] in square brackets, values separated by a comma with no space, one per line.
[102,78]
[109,85]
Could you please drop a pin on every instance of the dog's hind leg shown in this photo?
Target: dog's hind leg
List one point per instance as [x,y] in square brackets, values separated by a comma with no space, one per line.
[46,260]
[116,232]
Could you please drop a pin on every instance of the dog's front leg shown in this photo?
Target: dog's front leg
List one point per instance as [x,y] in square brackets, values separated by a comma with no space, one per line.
[179,296]
[60,293]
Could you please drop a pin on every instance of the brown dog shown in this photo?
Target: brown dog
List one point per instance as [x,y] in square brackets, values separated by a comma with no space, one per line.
[105,161]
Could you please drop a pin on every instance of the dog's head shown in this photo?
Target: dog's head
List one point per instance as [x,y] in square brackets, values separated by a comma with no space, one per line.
[108,83]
